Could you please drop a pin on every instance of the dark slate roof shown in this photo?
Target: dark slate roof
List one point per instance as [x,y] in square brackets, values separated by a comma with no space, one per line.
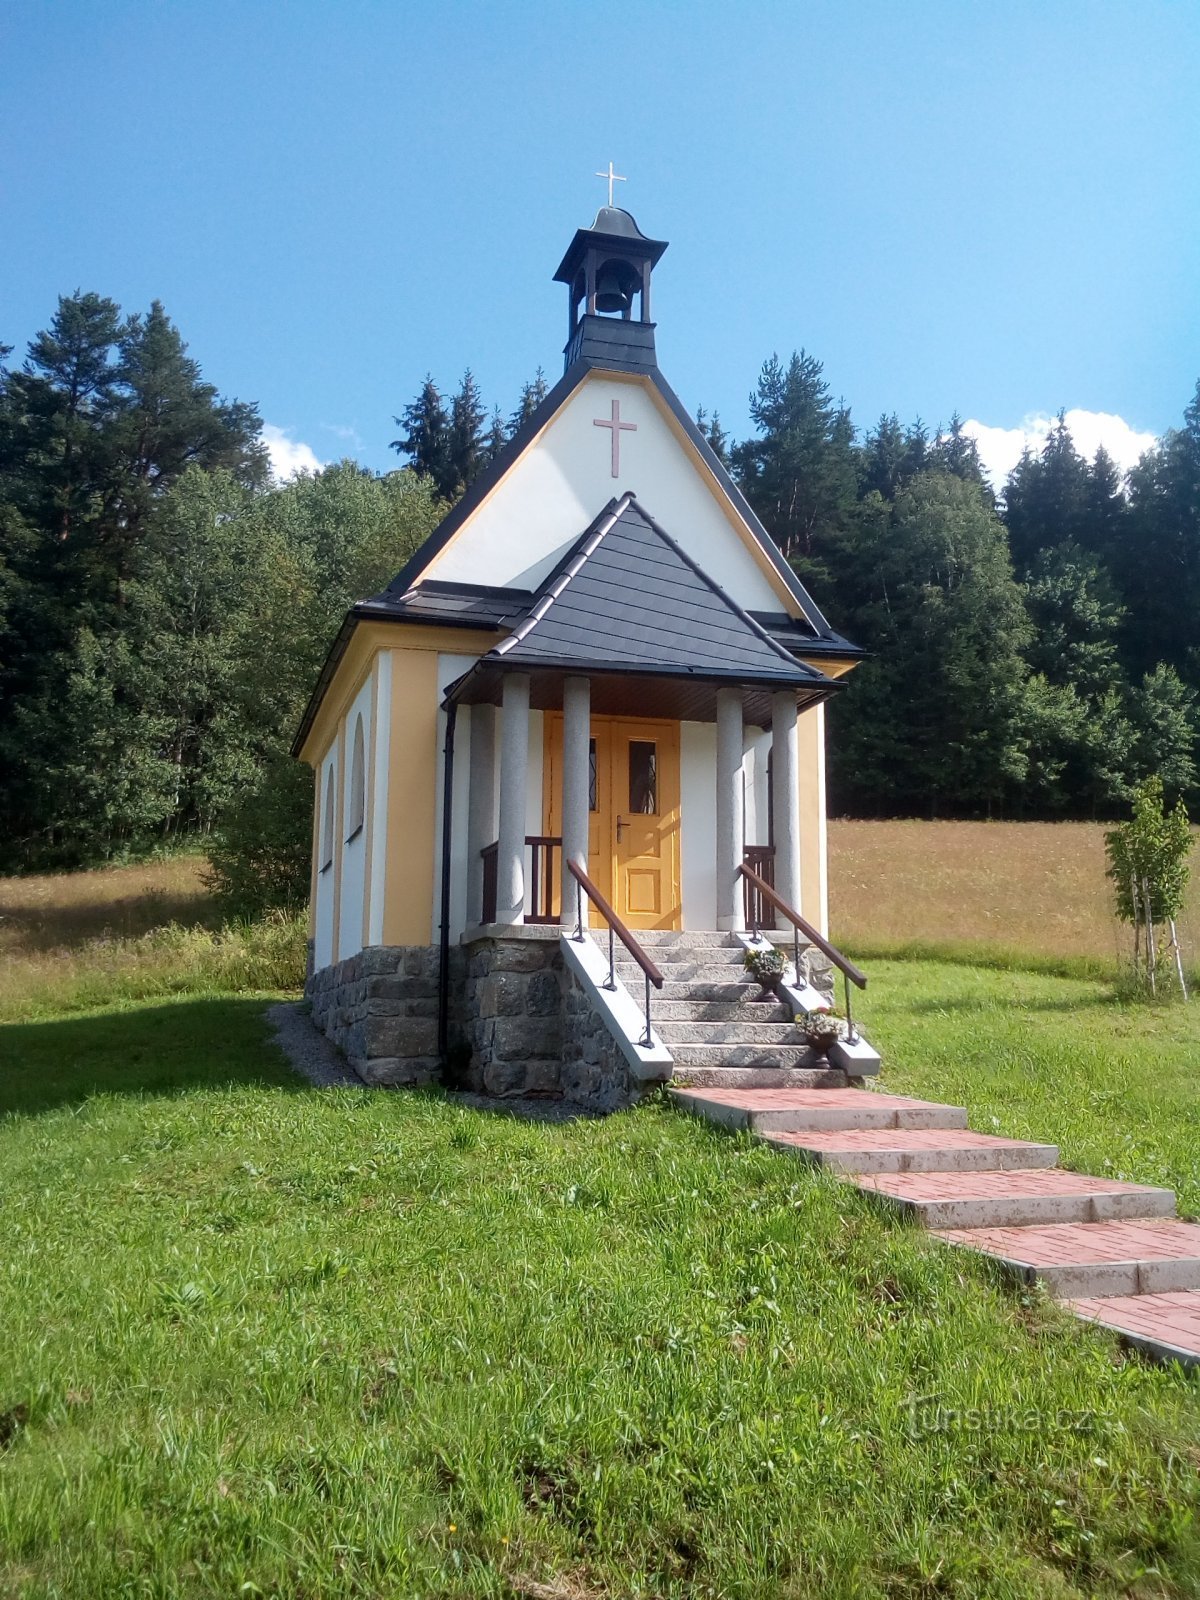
[457,605]
[627,597]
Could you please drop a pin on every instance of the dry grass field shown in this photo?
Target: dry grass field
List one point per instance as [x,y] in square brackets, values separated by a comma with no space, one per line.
[1028,888]
[62,910]
[75,940]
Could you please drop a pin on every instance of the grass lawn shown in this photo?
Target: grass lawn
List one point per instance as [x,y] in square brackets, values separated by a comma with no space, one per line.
[267,1341]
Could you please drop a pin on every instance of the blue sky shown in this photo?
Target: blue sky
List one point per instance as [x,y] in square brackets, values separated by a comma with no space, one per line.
[993,208]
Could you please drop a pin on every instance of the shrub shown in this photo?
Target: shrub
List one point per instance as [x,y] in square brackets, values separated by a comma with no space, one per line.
[260,858]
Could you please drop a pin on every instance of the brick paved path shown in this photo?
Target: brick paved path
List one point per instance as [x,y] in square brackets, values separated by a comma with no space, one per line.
[1114,1252]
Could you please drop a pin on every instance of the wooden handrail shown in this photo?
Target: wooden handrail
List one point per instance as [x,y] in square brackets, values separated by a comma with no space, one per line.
[843,964]
[615,923]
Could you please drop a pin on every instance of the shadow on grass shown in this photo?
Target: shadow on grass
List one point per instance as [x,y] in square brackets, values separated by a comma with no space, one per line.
[34,928]
[178,1046]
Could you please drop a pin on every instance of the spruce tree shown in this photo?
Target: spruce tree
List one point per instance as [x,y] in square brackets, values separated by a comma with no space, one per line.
[468,444]
[426,436]
[532,395]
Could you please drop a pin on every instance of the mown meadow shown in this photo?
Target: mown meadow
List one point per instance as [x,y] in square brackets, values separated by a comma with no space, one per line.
[266,1340]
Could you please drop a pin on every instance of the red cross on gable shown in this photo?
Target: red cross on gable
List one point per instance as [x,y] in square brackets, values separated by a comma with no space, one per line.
[618,428]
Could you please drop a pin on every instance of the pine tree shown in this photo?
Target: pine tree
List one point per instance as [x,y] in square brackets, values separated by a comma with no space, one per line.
[426,436]
[1046,498]
[468,446]
[532,395]
[497,436]
[713,434]
[799,474]
[956,452]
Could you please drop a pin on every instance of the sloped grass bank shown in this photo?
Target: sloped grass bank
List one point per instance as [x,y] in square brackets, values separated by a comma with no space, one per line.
[262,1340]
[1114,1084]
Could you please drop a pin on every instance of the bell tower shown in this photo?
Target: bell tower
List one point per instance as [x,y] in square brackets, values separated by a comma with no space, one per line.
[607,271]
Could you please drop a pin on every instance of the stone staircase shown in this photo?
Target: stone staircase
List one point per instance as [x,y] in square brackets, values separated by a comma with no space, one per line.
[711,1018]
[1114,1252]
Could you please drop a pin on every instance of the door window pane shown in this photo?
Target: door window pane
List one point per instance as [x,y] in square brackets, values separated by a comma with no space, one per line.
[592,806]
[643,776]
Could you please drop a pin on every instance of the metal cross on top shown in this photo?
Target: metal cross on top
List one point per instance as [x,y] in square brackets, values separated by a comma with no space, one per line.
[613,177]
[618,428]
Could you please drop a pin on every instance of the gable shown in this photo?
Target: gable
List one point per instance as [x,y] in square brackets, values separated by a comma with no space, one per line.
[530,519]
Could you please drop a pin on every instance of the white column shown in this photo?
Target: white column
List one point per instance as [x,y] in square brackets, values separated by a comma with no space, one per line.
[731,805]
[481,804]
[514,760]
[785,797]
[576,768]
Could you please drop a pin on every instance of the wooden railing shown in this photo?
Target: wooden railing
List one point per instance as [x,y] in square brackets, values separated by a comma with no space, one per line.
[852,974]
[616,930]
[541,878]
[760,858]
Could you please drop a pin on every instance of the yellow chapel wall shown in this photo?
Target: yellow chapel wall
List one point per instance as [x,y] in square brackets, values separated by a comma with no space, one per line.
[381,886]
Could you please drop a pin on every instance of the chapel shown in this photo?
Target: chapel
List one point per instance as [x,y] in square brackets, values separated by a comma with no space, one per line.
[594,699]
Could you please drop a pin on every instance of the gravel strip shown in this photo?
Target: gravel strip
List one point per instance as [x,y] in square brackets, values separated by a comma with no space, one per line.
[311,1054]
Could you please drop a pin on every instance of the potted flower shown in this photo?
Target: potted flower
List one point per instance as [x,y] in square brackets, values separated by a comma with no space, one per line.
[765,963]
[822,1030]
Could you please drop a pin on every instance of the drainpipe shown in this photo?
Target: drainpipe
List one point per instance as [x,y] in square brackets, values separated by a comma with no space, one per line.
[447,822]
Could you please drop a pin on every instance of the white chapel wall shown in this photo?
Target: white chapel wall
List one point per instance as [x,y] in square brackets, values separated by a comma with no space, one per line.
[379,798]
[698,823]
[327,845]
[451,667]
[353,845]
[564,480]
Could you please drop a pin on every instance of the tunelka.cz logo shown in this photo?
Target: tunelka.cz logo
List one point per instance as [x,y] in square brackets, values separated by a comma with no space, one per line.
[929,1414]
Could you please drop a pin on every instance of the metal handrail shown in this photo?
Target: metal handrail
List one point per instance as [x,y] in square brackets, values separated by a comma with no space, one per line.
[651,974]
[850,973]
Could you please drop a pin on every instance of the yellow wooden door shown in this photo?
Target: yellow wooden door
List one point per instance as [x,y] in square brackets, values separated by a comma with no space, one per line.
[633,837]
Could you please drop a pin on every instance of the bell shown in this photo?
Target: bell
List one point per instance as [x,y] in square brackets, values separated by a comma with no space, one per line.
[611,293]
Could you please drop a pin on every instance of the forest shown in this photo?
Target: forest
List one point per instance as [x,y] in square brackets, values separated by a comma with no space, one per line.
[165,607]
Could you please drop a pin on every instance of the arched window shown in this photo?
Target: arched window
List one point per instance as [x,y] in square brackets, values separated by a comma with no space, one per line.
[358,783]
[327,824]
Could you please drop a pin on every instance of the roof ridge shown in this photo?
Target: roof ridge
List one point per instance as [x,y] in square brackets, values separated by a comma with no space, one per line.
[742,615]
[575,563]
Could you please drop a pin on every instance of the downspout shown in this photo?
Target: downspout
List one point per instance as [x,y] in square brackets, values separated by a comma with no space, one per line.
[447,822]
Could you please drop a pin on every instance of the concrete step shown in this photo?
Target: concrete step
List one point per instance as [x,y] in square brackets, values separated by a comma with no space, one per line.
[745,1080]
[742,1055]
[913,1150]
[735,1032]
[684,939]
[1086,1259]
[709,969]
[730,991]
[749,1011]
[776,1109]
[1166,1326]
[1013,1199]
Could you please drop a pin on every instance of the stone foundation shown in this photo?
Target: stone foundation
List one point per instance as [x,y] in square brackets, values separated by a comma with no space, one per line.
[595,1072]
[520,1022]
[380,1008]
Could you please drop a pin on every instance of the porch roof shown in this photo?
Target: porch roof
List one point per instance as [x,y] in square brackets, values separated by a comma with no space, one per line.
[629,607]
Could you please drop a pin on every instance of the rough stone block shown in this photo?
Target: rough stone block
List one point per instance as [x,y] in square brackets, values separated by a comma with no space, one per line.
[521,955]
[526,1036]
[397,1072]
[503,994]
[399,1036]
[543,997]
[504,1077]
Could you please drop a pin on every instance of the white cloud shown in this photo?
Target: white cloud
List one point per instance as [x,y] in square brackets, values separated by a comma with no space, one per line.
[348,435]
[1000,448]
[288,456]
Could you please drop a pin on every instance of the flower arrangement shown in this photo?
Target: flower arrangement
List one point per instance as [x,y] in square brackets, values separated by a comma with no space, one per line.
[822,1029]
[765,963]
